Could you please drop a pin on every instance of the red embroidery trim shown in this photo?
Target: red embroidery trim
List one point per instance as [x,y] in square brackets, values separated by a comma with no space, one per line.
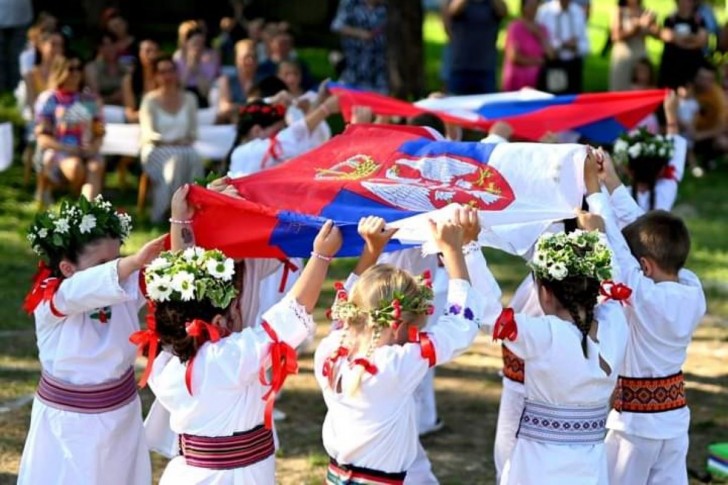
[650,395]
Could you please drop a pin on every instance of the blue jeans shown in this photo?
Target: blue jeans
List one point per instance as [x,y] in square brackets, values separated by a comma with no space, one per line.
[471,82]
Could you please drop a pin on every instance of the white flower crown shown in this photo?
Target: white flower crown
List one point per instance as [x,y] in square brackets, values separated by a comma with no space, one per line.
[579,253]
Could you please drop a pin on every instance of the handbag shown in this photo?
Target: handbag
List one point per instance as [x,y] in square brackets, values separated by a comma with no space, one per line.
[553,77]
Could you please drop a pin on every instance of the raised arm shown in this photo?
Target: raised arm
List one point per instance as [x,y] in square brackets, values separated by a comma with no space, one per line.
[373,230]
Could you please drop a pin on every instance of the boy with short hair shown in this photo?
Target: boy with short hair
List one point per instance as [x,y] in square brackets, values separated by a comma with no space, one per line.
[648,428]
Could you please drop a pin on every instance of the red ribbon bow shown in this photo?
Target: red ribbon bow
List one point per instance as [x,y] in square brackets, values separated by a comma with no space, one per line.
[427,348]
[669,173]
[505,326]
[274,151]
[147,340]
[288,267]
[366,364]
[283,364]
[615,291]
[202,332]
[330,361]
[43,288]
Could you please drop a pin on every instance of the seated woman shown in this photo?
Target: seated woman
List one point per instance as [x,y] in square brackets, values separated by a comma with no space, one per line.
[198,67]
[140,80]
[69,130]
[235,87]
[104,75]
[51,45]
[168,119]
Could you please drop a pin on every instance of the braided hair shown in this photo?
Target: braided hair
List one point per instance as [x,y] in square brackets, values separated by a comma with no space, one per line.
[646,171]
[172,318]
[578,295]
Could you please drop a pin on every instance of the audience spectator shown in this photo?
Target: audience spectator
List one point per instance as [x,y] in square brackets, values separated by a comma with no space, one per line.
[361,25]
[566,24]
[630,26]
[685,37]
[198,67]
[15,16]
[29,57]
[642,78]
[36,81]
[291,73]
[473,53]
[282,49]
[104,75]
[526,50]
[69,130]
[705,11]
[709,125]
[168,119]
[235,86]
[140,80]
[126,47]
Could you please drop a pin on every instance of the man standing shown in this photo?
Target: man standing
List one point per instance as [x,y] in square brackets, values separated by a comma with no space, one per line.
[565,22]
[473,27]
[15,16]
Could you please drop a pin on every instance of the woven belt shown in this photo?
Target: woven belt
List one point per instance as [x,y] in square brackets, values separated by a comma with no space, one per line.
[650,395]
[563,425]
[87,399]
[513,366]
[338,474]
[227,452]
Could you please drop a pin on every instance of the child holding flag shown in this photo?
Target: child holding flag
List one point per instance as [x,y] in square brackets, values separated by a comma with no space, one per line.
[86,424]
[369,369]
[211,379]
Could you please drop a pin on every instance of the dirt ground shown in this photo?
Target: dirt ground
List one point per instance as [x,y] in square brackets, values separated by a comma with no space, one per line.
[467,391]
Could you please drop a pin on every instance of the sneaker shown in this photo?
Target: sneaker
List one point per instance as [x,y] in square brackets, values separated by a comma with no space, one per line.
[697,172]
[279,415]
[434,428]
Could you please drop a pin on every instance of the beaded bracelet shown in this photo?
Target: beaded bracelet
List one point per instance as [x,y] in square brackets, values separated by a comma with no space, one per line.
[316,255]
[178,221]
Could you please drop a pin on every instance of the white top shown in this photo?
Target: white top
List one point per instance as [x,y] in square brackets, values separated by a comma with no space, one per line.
[564,25]
[227,394]
[666,189]
[158,124]
[26,60]
[15,13]
[253,156]
[79,348]
[377,427]
[662,318]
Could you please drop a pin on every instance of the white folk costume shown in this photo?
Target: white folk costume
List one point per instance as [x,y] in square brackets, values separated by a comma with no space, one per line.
[525,300]
[83,343]
[227,401]
[372,437]
[667,185]
[648,437]
[562,428]
[259,154]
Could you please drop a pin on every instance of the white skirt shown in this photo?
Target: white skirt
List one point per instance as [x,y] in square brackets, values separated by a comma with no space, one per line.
[64,447]
[178,472]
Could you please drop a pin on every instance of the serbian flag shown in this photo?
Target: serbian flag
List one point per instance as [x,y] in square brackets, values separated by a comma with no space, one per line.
[403,174]
[599,117]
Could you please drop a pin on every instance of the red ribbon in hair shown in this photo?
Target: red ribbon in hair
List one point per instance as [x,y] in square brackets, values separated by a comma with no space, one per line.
[202,332]
[505,326]
[331,361]
[283,364]
[615,291]
[288,266]
[427,348]
[44,287]
[366,364]
[147,340]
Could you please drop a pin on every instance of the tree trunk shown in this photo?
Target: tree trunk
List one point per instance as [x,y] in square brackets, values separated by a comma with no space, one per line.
[405,49]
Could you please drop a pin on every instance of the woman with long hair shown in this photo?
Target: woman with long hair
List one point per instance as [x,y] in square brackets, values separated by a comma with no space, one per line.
[69,130]
[140,80]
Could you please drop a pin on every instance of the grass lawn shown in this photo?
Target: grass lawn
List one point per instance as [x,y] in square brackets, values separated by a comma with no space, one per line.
[468,389]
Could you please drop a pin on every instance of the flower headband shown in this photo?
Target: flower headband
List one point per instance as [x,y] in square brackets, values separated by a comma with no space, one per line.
[579,253]
[194,274]
[76,224]
[643,144]
[271,110]
[389,312]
